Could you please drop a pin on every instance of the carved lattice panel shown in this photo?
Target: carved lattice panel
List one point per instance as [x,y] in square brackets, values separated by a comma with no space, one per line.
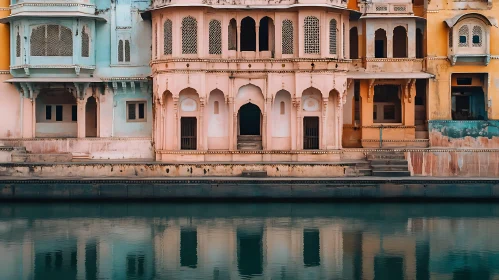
[287,37]
[189,35]
[167,37]
[127,51]
[464,36]
[120,51]
[477,36]
[51,40]
[18,44]
[332,36]
[312,32]
[85,42]
[215,37]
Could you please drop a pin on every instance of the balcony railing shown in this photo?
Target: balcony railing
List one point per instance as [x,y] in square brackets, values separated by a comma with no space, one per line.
[160,3]
[386,8]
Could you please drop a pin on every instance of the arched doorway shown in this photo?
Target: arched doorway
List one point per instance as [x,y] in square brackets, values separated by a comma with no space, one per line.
[399,42]
[250,136]
[91,117]
[380,43]
[354,43]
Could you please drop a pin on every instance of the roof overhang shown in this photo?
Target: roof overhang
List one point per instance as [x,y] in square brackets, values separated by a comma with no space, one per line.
[246,7]
[389,75]
[488,20]
[50,15]
[54,80]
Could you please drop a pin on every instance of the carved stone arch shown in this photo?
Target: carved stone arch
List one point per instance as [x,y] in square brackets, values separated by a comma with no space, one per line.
[250,93]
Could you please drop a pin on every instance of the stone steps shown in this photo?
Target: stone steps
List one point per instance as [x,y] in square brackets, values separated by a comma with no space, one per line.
[249,142]
[388,164]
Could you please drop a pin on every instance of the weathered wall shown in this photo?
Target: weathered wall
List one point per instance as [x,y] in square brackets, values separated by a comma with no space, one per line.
[472,134]
[124,128]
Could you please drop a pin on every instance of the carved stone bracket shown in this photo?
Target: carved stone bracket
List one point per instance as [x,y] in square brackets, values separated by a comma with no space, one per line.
[370,91]
[81,89]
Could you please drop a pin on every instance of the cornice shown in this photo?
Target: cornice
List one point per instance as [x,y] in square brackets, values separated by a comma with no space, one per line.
[6,140]
[231,71]
[257,60]
[4,72]
[68,66]
[51,4]
[405,59]
[124,79]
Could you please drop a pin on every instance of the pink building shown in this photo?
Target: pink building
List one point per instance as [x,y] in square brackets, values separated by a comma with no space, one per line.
[261,84]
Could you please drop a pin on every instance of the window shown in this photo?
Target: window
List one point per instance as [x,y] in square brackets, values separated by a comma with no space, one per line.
[136,111]
[283,108]
[58,113]
[232,36]
[310,133]
[477,36]
[189,35]
[387,104]
[468,103]
[18,44]
[51,40]
[463,36]
[450,38]
[74,113]
[188,133]
[287,37]
[311,30]
[85,42]
[216,108]
[124,51]
[167,37]
[332,36]
[48,112]
[215,37]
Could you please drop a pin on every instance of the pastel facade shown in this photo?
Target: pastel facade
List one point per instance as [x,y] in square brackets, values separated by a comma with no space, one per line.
[80,70]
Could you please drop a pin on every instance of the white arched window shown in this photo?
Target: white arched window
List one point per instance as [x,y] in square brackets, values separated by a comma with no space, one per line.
[189,35]
[167,37]
[332,36]
[287,37]
[312,33]
[215,37]
[85,42]
[51,40]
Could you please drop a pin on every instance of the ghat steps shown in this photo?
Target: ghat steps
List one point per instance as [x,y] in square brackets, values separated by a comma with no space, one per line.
[388,164]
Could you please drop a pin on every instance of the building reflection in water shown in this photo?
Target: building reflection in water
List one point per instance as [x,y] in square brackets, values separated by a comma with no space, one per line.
[246,246]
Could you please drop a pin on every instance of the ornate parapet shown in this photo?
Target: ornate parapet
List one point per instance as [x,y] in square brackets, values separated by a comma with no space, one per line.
[245,3]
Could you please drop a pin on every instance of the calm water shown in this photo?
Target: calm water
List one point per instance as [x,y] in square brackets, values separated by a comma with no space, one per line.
[249,241]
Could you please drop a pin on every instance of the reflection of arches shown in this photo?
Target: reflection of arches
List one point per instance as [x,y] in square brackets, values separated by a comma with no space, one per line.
[399,42]
[248,34]
[354,43]
[266,34]
[249,120]
[380,43]
[91,117]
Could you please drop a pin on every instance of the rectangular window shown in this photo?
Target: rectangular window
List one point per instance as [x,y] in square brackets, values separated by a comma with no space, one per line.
[389,112]
[58,113]
[136,111]
[74,113]
[462,39]
[48,112]
[476,39]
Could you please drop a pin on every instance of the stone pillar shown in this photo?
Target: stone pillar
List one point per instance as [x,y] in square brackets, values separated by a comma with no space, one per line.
[367,94]
[33,116]
[389,43]
[201,125]
[238,42]
[81,117]
[268,123]
[257,47]
[230,102]
[409,108]
[176,129]
[299,124]
[234,129]
[293,120]
[324,132]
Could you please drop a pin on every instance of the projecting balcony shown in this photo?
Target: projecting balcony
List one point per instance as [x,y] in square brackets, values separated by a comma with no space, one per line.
[262,4]
[53,8]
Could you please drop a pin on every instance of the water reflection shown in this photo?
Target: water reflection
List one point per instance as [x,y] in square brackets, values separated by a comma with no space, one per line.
[248,241]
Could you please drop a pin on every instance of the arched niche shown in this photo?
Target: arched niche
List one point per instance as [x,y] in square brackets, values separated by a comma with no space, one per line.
[218,125]
[281,121]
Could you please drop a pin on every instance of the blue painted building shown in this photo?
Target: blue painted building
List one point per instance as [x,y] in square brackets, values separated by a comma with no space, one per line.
[81,68]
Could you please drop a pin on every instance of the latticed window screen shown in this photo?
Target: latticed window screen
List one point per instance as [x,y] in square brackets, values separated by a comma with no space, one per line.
[332,36]
[477,36]
[51,40]
[18,44]
[215,34]
[120,51]
[167,37]
[311,30]
[450,38]
[127,51]
[463,36]
[232,36]
[287,37]
[189,35]
[85,42]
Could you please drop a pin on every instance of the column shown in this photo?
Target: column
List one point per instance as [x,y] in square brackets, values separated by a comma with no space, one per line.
[257,47]
[201,125]
[324,131]
[176,131]
[81,117]
[268,120]
[299,125]
[230,102]
[389,43]
[33,116]
[409,108]
[238,42]
[80,256]
[234,129]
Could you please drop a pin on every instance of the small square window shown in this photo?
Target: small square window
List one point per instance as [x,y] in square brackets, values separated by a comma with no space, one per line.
[462,39]
[476,39]
[58,113]
[48,112]
[74,113]
[136,111]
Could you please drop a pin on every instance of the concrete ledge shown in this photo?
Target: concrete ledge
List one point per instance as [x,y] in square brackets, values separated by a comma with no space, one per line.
[250,188]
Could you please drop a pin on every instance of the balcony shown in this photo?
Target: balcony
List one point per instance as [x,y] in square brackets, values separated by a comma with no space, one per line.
[261,4]
[386,8]
[55,8]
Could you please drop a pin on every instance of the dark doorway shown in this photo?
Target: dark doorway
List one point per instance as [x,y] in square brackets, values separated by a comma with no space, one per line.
[354,43]
[188,133]
[380,43]
[249,120]
[399,42]
[91,117]
[248,34]
[264,34]
[419,43]
[311,133]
